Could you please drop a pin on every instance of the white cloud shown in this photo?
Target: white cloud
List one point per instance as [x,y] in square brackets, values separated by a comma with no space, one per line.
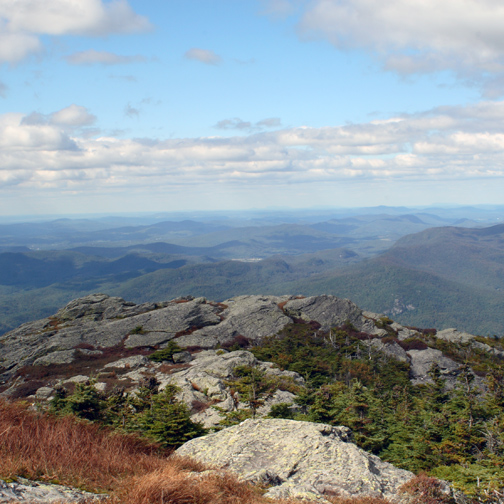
[23,21]
[447,144]
[3,89]
[412,36]
[74,116]
[92,57]
[18,139]
[203,56]
[15,46]
[69,118]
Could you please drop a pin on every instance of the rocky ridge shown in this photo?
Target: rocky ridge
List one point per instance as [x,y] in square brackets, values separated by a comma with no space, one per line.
[99,322]
[104,322]
[109,338]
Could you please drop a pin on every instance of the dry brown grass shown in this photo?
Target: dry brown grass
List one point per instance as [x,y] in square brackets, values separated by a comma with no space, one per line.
[174,486]
[80,454]
[72,452]
[423,489]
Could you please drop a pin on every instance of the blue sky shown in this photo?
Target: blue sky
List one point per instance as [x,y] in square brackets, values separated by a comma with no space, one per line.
[197,104]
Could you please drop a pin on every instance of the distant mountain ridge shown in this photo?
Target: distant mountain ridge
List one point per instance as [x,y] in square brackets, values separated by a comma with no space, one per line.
[438,276]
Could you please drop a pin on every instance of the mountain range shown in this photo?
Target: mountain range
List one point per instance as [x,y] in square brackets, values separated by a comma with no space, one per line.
[400,264]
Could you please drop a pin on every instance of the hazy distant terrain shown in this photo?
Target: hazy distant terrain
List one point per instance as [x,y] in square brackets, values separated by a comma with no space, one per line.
[435,267]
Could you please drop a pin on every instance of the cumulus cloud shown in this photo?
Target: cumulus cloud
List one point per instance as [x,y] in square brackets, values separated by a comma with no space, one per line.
[68,118]
[92,57]
[22,22]
[16,46]
[19,139]
[74,116]
[3,89]
[203,56]
[444,144]
[414,36]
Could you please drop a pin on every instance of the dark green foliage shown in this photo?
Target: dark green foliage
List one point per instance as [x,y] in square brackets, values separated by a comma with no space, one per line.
[165,354]
[85,402]
[163,419]
[233,417]
[137,330]
[321,358]
[282,410]
[153,414]
[253,386]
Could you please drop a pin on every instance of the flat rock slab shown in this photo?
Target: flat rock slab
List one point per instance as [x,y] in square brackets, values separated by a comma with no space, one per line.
[298,459]
[28,491]
[455,336]
[422,361]
[253,317]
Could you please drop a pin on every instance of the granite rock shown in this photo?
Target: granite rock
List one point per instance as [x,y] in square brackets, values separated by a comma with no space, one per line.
[298,459]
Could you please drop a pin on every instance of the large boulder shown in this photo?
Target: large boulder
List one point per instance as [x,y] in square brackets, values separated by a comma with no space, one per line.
[454,336]
[298,459]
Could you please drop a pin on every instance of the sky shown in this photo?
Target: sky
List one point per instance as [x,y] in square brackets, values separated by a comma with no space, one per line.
[165,105]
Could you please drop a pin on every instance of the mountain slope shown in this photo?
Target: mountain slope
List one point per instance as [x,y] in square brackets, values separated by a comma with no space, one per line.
[412,297]
[472,257]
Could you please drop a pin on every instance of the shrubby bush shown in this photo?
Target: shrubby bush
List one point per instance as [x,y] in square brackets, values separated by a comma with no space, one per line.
[154,414]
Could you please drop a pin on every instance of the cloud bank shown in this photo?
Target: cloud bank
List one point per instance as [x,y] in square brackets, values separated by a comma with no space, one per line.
[445,144]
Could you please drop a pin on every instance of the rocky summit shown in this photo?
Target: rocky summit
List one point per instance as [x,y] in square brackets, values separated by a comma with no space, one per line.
[302,460]
[109,338]
[98,322]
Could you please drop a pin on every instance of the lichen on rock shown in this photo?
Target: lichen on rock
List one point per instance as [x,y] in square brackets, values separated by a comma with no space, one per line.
[298,459]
